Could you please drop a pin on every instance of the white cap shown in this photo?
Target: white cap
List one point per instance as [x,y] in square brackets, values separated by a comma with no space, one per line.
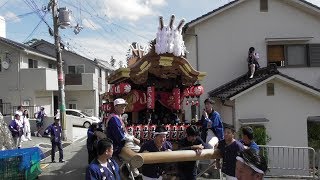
[119,101]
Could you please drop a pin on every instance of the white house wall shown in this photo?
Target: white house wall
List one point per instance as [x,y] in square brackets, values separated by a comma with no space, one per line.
[83,99]
[287,112]
[224,40]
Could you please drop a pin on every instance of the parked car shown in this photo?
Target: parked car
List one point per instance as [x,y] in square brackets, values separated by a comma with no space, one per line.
[79,118]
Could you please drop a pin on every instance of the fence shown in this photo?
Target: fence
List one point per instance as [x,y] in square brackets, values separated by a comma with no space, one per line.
[290,162]
[5,108]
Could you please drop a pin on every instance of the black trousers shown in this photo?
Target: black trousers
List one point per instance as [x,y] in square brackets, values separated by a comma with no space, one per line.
[53,150]
[91,155]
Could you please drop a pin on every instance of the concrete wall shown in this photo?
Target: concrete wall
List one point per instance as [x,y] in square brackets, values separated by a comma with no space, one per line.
[84,100]
[224,40]
[287,111]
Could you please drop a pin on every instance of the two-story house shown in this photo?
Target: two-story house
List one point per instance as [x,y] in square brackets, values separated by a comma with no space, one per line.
[284,96]
[85,79]
[27,77]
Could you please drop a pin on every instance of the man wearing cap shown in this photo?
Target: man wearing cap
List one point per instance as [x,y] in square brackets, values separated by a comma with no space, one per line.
[250,165]
[54,130]
[116,130]
[155,171]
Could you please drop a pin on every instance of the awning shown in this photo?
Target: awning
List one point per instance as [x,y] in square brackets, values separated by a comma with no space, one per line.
[313,119]
[271,40]
[253,121]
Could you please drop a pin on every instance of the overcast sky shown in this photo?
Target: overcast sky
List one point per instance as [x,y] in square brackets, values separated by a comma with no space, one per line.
[110,26]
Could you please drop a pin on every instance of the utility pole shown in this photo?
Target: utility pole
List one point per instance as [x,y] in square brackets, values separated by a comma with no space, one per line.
[57,39]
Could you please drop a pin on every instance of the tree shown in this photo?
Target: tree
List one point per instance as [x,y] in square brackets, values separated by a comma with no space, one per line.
[31,42]
[112,61]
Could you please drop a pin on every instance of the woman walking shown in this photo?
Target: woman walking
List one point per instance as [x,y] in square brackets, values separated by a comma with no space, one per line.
[27,131]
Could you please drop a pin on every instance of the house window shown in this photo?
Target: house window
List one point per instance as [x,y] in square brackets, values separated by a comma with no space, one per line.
[72,106]
[100,72]
[78,69]
[52,65]
[270,89]
[287,55]
[264,5]
[32,63]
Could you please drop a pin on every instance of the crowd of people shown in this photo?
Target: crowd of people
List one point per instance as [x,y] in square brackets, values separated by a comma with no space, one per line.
[240,158]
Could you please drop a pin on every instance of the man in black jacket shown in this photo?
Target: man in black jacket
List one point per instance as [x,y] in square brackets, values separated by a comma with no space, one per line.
[188,170]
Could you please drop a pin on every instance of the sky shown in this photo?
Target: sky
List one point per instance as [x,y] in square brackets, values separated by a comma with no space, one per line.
[109,26]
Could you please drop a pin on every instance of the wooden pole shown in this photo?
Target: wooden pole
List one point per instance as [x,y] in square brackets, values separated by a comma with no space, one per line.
[136,160]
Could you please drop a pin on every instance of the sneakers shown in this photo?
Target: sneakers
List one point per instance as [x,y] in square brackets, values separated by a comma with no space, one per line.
[62,161]
[53,161]
[251,77]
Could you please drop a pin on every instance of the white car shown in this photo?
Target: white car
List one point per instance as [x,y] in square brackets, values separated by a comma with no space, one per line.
[79,118]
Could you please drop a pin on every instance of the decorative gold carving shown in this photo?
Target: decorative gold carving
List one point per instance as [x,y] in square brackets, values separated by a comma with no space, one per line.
[144,70]
[201,76]
[165,61]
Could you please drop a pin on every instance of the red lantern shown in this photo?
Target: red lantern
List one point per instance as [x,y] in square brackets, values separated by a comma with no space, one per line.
[191,91]
[198,90]
[186,93]
[152,129]
[174,132]
[150,97]
[137,131]
[176,97]
[145,132]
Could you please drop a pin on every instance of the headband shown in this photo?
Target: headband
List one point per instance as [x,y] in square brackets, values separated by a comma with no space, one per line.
[250,165]
[161,133]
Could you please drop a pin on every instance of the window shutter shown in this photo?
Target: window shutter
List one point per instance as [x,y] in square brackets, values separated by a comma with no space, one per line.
[314,54]
[264,5]
[275,53]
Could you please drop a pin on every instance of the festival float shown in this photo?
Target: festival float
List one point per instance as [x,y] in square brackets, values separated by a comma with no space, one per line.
[155,85]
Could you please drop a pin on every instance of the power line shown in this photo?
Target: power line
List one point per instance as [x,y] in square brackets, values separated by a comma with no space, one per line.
[4,4]
[32,31]
[121,27]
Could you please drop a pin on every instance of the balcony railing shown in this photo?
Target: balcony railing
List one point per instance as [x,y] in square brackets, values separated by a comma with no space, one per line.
[73,79]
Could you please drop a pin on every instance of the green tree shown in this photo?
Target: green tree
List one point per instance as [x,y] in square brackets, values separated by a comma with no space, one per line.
[31,42]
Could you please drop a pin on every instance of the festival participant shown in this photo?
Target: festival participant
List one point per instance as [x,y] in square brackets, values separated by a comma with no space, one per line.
[103,167]
[54,131]
[250,165]
[247,139]
[94,134]
[16,127]
[117,133]
[188,170]
[212,127]
[27,131]
[229,148]
[159,143]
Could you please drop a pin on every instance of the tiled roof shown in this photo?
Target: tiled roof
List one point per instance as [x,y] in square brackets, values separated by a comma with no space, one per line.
[21,46]
[230,4]
[243,83]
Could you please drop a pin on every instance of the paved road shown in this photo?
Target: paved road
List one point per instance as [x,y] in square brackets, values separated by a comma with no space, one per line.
[74,167]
